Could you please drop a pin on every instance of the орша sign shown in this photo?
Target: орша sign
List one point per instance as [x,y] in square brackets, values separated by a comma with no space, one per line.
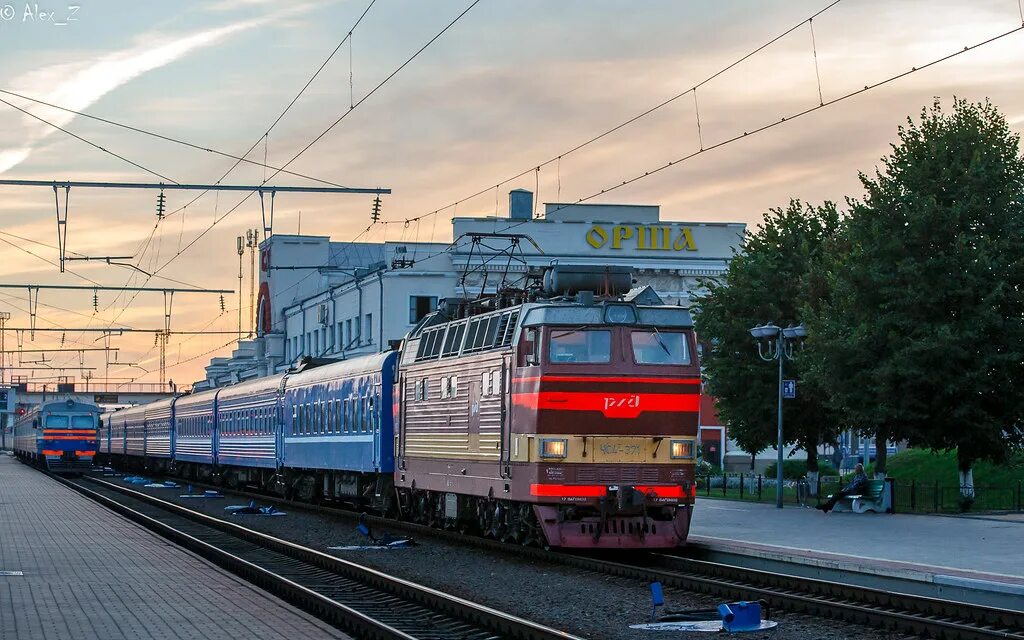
[641,237]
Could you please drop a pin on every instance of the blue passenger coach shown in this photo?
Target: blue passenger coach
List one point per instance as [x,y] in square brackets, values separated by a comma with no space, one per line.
[339,427]
[195,430]
[322,431]
[248,416]
[159,443]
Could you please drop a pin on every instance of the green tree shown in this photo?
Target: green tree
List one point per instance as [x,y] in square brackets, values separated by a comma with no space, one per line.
[766,281]
[920,332]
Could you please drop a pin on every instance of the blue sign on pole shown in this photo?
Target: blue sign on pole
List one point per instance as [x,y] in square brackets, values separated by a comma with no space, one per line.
[789,389]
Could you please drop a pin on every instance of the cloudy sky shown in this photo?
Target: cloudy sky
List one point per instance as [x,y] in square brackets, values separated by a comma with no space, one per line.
[510,86]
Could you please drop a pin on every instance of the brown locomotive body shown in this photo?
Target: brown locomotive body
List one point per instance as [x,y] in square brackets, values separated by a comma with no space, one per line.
[570,423]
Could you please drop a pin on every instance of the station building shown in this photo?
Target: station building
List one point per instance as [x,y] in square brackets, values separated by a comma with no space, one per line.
[342,299]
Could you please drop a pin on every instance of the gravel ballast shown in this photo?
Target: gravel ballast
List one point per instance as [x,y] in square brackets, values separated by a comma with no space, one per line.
[584,603]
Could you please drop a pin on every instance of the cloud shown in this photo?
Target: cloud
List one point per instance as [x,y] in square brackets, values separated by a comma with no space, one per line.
[78,85]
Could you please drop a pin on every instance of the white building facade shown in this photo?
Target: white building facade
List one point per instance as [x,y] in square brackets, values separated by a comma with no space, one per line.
[337,300]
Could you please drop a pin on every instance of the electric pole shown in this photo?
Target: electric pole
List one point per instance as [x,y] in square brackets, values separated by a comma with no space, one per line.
[252,241]
[241,252]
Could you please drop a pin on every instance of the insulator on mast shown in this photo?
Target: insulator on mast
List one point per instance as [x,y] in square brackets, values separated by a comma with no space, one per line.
[161,201]
[375,214]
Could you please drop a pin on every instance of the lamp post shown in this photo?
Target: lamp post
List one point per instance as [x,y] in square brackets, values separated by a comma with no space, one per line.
[775,343]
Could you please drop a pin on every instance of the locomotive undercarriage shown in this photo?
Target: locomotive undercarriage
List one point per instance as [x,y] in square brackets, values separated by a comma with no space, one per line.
[606,521]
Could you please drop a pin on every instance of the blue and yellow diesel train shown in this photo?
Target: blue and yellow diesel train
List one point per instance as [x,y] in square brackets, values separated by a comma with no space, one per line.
[59,435]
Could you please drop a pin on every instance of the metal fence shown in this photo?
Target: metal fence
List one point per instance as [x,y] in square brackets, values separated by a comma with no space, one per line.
[908,495]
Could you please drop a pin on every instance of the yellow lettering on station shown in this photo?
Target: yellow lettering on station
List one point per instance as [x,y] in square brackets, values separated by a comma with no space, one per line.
[597,237]
[684,241]
[648,238]
[641,238]
[620,233]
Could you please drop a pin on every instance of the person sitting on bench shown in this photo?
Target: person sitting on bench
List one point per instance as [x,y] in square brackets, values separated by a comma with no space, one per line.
[856,486]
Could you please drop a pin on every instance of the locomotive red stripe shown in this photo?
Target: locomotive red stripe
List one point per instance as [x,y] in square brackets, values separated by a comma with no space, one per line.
[600,490]
[608,379]
[612,405]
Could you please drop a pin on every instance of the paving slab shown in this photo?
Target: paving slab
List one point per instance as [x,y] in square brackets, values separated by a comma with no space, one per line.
[87,573]
[913,546]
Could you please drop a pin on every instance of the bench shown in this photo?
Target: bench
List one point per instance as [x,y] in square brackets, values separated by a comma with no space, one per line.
[871,499]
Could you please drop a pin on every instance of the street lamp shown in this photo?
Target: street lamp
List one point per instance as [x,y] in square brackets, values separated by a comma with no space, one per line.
[774,343]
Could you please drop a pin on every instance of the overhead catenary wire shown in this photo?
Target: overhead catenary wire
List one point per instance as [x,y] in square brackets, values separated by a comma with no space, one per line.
[557,158]
[164,137]
[766,127]
[327,130]
[88,142]
[238,161]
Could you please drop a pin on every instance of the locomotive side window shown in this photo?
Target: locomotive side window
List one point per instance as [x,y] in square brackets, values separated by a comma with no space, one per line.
[657,347]
[510,329]
[580,345]
[453,341]
[529,351]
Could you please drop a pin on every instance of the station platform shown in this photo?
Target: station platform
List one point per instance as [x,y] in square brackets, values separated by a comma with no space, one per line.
[71,569]
[972,558]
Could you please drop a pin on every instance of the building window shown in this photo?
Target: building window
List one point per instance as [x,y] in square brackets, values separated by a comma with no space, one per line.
[348,332]
[341,336]
[368,328]
[420,306]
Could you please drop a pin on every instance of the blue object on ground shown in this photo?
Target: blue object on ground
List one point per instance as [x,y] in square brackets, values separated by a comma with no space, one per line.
[137,480]
[252,510]
[657,599]
[740,616]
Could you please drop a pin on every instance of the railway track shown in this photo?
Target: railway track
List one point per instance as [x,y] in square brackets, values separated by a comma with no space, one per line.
[898,612]
[362,601]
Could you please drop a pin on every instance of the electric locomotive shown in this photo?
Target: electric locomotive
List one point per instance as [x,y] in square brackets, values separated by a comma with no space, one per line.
[548,415]
[569,421]
[59,435]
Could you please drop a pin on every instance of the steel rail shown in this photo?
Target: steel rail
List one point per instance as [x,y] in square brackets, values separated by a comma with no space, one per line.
[933,617]
[455,616]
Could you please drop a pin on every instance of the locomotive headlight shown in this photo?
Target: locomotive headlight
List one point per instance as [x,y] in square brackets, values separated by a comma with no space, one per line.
[681,449]
[553,447]
[620,314]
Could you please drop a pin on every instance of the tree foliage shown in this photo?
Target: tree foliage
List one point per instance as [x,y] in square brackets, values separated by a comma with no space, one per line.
[767,281]
[919,332]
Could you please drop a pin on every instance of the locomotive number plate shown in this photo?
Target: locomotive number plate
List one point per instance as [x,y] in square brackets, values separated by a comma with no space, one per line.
[619,450]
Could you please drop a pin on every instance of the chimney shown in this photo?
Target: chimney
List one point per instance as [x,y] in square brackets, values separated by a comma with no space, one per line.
[520,204]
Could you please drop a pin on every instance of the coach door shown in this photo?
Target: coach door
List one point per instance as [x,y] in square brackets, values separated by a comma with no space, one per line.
[506,417]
